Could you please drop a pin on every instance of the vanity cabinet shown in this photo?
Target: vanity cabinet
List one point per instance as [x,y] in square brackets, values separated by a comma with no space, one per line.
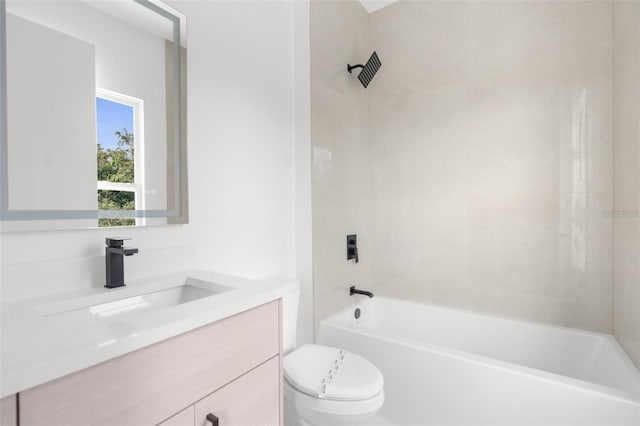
[186,417]
[250,400]
[231,368]
[8,414]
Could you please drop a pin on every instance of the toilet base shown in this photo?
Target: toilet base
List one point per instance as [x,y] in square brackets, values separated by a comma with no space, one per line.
[291,419]
[298,411]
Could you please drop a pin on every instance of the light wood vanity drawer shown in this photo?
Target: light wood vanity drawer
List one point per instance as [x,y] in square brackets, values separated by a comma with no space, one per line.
[250,400]
[185,417]
[8,415]
[147,386]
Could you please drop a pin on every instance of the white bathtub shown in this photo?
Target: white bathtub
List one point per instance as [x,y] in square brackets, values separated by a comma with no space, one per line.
[447,367]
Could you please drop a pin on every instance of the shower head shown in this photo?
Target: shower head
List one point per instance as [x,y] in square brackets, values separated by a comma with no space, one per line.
[368,70]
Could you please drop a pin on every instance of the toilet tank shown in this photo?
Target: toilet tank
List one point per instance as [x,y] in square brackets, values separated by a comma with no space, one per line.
[290,303]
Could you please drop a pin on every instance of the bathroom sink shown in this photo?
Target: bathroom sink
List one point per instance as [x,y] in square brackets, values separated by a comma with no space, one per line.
[129,301]
[156,300]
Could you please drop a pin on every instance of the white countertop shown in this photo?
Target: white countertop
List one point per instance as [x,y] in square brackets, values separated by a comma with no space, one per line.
[37,347]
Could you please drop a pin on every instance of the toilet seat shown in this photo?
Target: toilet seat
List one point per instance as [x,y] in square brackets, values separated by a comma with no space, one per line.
[326,373]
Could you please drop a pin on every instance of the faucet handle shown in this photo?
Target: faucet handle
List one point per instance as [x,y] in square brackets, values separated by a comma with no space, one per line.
[115,242]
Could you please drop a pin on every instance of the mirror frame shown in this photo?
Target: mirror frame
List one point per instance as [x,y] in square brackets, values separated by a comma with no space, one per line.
[178,213]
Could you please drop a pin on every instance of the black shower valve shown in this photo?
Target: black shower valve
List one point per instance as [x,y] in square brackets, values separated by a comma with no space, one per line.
[352,247]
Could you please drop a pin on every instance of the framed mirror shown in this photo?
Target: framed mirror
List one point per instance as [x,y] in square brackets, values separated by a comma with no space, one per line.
[93,111]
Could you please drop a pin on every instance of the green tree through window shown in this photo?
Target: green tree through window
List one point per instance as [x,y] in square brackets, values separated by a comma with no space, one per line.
[117,165]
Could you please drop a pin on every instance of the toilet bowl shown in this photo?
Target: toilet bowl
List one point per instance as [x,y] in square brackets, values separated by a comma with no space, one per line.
[325,386]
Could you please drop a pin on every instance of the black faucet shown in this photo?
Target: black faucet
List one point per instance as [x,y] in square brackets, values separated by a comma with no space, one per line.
[114,258]
[353,290]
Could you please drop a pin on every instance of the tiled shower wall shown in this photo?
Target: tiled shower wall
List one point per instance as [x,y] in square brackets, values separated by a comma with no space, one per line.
[626,250]
[340,135]
[477,167]
[491,145]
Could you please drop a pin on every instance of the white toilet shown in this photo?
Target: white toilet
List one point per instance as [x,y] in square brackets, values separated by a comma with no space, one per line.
[325,386]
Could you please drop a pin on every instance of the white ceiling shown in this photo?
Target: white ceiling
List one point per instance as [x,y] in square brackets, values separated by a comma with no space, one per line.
[373,5]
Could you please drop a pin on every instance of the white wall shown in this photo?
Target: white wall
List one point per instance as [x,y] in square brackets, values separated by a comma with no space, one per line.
[242,167]
[241,135]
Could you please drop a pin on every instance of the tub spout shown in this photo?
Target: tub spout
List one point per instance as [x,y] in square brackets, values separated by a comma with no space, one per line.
[353,290]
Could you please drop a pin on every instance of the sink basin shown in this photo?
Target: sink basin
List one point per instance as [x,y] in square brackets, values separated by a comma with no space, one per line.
[130,301]
[156,300]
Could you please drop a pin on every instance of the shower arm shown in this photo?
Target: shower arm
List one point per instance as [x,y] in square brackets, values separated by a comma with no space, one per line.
[351,67]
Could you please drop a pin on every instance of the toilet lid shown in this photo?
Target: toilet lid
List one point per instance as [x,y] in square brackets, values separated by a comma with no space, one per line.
[332,373]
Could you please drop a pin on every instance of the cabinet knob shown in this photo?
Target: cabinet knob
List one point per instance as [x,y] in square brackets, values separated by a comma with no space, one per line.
[213,419]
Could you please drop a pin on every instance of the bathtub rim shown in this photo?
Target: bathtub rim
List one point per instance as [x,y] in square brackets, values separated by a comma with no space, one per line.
[538,374]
